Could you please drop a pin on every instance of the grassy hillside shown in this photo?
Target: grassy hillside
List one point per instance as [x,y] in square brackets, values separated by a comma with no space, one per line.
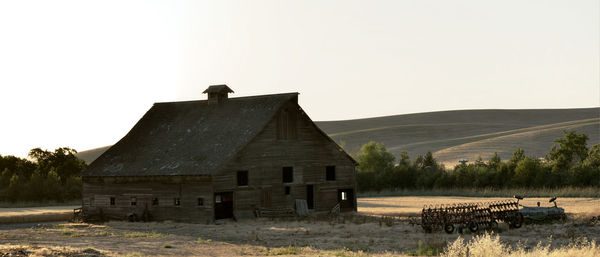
[452,135]
[91,155]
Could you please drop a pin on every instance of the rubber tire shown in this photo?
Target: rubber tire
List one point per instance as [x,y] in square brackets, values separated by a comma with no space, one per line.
[473,227]
[449,228]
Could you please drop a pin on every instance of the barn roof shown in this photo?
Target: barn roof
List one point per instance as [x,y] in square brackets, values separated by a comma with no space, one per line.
[188,138]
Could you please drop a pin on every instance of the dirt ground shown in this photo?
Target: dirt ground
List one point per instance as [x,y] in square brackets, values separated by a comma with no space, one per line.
[350,235]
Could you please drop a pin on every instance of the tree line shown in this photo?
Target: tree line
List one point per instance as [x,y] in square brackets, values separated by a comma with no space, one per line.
[54,176]
[568,163]
[44,176]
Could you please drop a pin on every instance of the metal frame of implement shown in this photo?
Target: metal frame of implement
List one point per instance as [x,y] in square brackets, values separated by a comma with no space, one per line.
[471,215]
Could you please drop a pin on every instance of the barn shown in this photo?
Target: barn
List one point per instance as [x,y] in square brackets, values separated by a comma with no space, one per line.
[198,161]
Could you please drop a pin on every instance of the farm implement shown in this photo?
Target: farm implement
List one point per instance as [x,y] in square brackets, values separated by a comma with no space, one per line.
[472,216]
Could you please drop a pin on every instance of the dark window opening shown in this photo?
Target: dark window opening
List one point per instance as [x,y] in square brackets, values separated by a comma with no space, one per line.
[112,201]
[155,201]
[242,178]
[200,201]
[288,174]
[287,190]
[330,173]
[177,201]
[133,201]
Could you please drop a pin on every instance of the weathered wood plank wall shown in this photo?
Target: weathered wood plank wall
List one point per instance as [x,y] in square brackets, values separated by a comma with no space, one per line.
[304,148]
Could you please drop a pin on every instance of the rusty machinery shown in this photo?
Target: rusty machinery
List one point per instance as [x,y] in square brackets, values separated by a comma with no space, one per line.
[471,215]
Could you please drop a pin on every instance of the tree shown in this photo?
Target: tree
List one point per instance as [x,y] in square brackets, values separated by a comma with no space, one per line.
[374,157]
[526,171]
[588,172]
[63,160]
[568,151]
[375,162]
[516,157]
[404,159]
[50,176]
[494,162]
[429,161]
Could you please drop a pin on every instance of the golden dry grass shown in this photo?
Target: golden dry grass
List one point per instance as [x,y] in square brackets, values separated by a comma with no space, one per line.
[412,205]
[489,245]
[36,214]
[363,234]
[506,142]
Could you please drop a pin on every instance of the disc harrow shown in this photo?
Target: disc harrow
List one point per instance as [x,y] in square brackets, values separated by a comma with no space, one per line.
[472,216]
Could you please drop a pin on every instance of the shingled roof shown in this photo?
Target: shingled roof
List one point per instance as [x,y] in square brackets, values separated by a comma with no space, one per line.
[188,138]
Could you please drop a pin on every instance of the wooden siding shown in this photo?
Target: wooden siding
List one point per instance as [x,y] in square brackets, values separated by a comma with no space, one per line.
[97,192]
[309,152]
[304,148]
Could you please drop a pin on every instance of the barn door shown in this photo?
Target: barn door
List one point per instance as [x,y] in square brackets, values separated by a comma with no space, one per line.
[265,198]
[310,196]
[223,205]
[346,199]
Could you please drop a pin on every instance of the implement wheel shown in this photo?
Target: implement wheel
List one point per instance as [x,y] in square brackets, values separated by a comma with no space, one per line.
[517,220]
[449,228]
[473,226]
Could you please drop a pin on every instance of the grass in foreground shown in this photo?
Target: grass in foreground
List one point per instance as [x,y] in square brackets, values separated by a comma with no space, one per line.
[592,192]
[144,234]
[489,245]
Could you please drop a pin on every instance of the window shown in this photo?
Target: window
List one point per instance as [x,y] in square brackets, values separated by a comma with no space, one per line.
[200,201]
[344,196]
[177,201]
[242,178]
[287,190]
[154,201]
[218,199]
[133,201]
[288,174]
[330,173]
[112,201]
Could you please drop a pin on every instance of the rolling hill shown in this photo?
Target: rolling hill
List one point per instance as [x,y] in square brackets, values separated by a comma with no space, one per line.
[453,135]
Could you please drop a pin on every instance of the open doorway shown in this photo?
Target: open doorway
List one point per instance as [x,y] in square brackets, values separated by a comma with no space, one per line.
[346,199]
[310,197]
[223,205]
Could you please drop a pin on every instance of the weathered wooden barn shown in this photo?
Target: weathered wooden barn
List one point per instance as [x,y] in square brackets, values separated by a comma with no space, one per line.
[198,161]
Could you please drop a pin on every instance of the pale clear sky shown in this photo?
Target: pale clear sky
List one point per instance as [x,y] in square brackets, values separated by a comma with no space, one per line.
[82,73]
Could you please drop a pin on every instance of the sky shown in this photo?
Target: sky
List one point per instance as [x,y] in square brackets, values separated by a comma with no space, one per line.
[80,74]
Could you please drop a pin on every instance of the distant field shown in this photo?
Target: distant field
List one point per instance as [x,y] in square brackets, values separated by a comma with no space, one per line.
[453,135]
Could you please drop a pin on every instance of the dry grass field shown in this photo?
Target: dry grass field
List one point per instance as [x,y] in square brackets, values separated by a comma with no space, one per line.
[412,205]
[368,233]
